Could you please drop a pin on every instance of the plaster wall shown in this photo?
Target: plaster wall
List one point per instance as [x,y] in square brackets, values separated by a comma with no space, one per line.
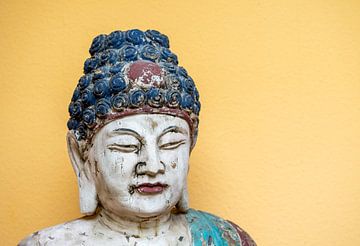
[278,148]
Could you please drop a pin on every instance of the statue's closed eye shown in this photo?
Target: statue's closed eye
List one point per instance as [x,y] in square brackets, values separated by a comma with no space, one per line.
[172,145]
[125,148]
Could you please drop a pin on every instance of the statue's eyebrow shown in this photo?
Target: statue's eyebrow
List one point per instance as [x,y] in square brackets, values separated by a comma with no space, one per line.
[125,131]
[175,129]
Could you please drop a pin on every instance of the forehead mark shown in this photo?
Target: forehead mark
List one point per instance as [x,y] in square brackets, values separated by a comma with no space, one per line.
[153,123]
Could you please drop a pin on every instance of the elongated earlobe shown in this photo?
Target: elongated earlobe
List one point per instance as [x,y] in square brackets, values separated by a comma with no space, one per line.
[183,204]
[86,184]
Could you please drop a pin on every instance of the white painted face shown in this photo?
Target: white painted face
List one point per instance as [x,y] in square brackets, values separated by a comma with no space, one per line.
[141,163]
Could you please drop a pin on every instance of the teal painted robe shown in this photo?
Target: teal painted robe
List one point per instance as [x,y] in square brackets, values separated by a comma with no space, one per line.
[207,229]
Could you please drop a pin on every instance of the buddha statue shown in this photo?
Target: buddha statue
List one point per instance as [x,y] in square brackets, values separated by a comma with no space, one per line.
[133,123]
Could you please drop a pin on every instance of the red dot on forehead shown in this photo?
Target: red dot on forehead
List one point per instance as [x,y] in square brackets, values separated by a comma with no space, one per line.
[145,71]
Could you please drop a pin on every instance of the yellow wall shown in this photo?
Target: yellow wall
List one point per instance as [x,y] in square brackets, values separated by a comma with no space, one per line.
[278,150]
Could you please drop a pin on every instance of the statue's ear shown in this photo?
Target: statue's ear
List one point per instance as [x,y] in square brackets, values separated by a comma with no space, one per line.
[87,189]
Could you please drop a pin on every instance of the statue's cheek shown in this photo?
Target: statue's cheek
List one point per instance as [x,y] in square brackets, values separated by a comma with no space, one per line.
[117,166]
[175,158]
[182,161]
[174,164]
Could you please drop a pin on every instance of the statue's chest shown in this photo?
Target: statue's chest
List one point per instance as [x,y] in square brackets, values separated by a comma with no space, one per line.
[173,239]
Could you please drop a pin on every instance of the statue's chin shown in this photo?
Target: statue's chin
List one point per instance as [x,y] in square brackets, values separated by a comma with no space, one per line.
[140,210]
[148,214]
[139,205]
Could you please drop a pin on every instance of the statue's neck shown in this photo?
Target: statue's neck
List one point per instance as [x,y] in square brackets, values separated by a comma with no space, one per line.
[136,226]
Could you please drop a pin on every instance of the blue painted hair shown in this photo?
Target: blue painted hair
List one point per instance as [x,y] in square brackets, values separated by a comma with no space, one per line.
[108,90]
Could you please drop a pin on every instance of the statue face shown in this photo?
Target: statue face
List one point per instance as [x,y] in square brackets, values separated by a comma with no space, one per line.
[140,163]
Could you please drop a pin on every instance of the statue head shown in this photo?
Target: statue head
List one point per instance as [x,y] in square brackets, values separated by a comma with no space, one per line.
[133,123]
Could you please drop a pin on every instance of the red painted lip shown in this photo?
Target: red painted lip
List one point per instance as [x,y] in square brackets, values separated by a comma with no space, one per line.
[151,189]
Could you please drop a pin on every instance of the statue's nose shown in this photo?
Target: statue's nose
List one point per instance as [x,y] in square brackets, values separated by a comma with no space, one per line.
[151,165]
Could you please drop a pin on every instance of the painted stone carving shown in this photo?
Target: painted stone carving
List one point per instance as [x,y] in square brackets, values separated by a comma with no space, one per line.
[134,119]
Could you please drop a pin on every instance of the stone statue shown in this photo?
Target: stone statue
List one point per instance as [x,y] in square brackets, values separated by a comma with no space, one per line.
[133,123]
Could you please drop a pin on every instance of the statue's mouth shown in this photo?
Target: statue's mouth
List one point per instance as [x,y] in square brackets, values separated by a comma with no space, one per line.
[151,188]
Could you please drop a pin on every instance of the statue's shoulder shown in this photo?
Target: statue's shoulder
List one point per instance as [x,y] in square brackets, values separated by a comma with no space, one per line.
[213,230]
[70,233]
